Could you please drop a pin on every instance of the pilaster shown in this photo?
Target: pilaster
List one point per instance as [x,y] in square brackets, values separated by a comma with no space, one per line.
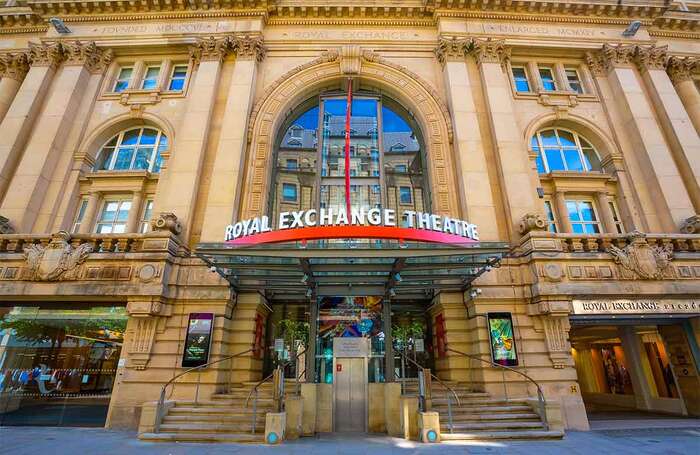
[680,71]
[13,69]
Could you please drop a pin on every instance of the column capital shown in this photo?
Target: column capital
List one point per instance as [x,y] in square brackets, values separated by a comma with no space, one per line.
[95,59]
[46,54]
[611,56]
[14,65]
[248,47]
[490,51]
[680,69]
[596,63]
[651,57]
[452,49]
[210,49]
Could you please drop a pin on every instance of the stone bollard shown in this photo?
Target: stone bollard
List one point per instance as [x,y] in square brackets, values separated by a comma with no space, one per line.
[275,426]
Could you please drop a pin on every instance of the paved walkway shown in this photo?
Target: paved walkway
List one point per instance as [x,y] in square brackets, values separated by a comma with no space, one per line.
[89,441]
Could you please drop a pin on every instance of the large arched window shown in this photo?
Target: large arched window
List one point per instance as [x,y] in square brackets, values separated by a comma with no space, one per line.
[386,162]
[563,150]
[133,149]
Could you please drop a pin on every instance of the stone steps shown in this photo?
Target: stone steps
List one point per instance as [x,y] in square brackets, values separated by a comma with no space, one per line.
[204,437]
[220,410]
[492,426]
[486,435]
[209,427]
[484,409]
[521,417]
[204,418]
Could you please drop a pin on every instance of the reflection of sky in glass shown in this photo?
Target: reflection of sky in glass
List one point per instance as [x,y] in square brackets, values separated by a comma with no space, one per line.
[392,122]
[308,119]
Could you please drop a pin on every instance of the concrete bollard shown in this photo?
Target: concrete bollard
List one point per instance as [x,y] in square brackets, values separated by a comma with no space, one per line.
[275,426]
[429,426]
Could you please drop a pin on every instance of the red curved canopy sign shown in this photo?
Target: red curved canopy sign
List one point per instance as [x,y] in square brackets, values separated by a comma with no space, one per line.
[304,225]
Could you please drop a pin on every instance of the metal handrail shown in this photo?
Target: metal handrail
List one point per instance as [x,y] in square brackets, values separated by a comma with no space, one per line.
[267,378]
[422,368]
[161,399]
[540,395]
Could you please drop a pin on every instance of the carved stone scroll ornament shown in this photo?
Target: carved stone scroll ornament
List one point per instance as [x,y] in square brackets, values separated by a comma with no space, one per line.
[453,49]
[532,222]
[691,225]
[147,317]
[641,259]
[57,261]
[46,54]
[6,226]
[166,221]
[681,69]
[14,66]
[491,51]
[210,49]
[94,58]
[651,57]
[552,318]
[247,47]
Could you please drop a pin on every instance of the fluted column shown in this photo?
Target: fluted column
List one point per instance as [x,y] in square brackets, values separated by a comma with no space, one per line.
[13,69]
[680,70]
[224,187]
[88,221]
[661,176]
[518,180]
[22,113]
[562,212]
[682,136]
[30,183]
[177,192]
[478,205]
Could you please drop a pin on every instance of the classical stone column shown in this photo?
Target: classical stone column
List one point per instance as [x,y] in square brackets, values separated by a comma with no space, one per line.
[13,69]
[660,172]
[34,172]
[562,212]
[133,220]
[21,115]
[681,134]
[178,192]
[517,178]
[224,189]
[478,205]
[86,225]
[680,70]
[628,206]
[605,213]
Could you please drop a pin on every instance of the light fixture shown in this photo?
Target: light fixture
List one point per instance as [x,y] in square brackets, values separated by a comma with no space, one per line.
[304,279]
[632,29]
[309,292]
[59,26]
[397,277]
[392,292]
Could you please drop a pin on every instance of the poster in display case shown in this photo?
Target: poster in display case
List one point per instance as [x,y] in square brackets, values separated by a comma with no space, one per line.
[198,340]
[503,349]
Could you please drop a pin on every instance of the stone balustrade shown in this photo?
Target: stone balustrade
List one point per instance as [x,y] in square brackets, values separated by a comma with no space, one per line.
[101,243]
[602,243]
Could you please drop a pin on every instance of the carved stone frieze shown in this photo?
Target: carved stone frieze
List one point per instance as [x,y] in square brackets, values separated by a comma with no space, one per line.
[681,69]
[166,221]
[651,57]
[14,66]
[641,259]
[6,226]
[532,222]
[691,225]
[210,49]
[248,47]
[94,58]
[46,54]
[452,49]
[59,260]
[490,51]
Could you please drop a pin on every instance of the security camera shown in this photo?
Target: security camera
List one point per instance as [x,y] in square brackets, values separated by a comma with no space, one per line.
[212,269]
[59,26]
[632,29]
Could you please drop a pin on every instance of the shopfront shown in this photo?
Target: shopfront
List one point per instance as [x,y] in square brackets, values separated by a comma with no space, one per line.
[58,362]
[636,355]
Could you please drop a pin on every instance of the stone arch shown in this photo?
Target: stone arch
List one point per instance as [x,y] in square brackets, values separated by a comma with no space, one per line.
[404,86]
[92,143]
[600,140]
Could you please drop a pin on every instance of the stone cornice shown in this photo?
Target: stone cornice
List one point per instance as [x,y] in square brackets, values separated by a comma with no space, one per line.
[95,59]
[681,69]
[14,65]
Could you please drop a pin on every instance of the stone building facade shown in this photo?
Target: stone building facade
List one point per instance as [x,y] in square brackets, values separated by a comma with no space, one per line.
[131,140]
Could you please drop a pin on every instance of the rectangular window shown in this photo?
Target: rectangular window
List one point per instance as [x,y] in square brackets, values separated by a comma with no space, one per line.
[177,78]
[547,77]
[619,227]
[402,168]
[574,80]
[551,221]
[150,78]
[292,164]
[113,217]
[405,196]
[289,192]
[520,78]
[583,217]
[146,218]
[79,216]
[123,79]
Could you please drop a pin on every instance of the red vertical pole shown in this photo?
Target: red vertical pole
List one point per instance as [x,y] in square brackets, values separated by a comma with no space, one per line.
[348,114]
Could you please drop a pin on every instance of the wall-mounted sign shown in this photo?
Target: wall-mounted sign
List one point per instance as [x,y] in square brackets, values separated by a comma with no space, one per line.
[350,346]
[329,223]
[419,345]
[198,340]
[502,341]
[636,306]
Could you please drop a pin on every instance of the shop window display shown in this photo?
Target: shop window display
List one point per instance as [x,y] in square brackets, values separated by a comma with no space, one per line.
[58,365]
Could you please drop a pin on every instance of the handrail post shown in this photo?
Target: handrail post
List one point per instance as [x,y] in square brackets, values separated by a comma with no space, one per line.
[196,391]
[427,381]
[449,412]
[255,410]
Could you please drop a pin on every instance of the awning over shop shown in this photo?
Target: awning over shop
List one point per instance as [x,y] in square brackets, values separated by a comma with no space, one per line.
[298,271]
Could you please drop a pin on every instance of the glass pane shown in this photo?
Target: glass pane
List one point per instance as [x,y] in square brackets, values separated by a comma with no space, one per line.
[119,229]
[180,71]
[148,137]
[112,142]
[547,79]
[176,84]
[163,144]
[106,158]
[592,229]
[540,165]
[147,211]
[289,192]
[592,160]
[124,211]
[548,210]
[548,138]
[150,84]
[120,86]
[158,163]
[573,160]
[104,228]
[572,208]
[143,156]
[125,73]
[577,228]
[566,139]
[152,72]
[405,195]
[586,209]
[110,211]
[131,137]
[124,158]
[554,160]
[534,144]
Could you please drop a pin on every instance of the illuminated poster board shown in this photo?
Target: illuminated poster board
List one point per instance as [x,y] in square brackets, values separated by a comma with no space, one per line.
[502,340]
[198,340]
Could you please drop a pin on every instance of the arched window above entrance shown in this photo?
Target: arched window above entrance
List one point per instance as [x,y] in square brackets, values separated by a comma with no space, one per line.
[386,163]
[133,149]
[560,149]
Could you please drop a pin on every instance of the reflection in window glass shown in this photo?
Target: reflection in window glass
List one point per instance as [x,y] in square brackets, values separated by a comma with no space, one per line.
[134,149]
[583,218]
[547,77]
[289,192]
[113,217]
[177,78]
[574,80]
[150,78]
[123,79]
[561,150]
[520,78]
[551,222]
[58,365]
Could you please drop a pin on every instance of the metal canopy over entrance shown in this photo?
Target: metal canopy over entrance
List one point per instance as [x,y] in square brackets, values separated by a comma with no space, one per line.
[402,272]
